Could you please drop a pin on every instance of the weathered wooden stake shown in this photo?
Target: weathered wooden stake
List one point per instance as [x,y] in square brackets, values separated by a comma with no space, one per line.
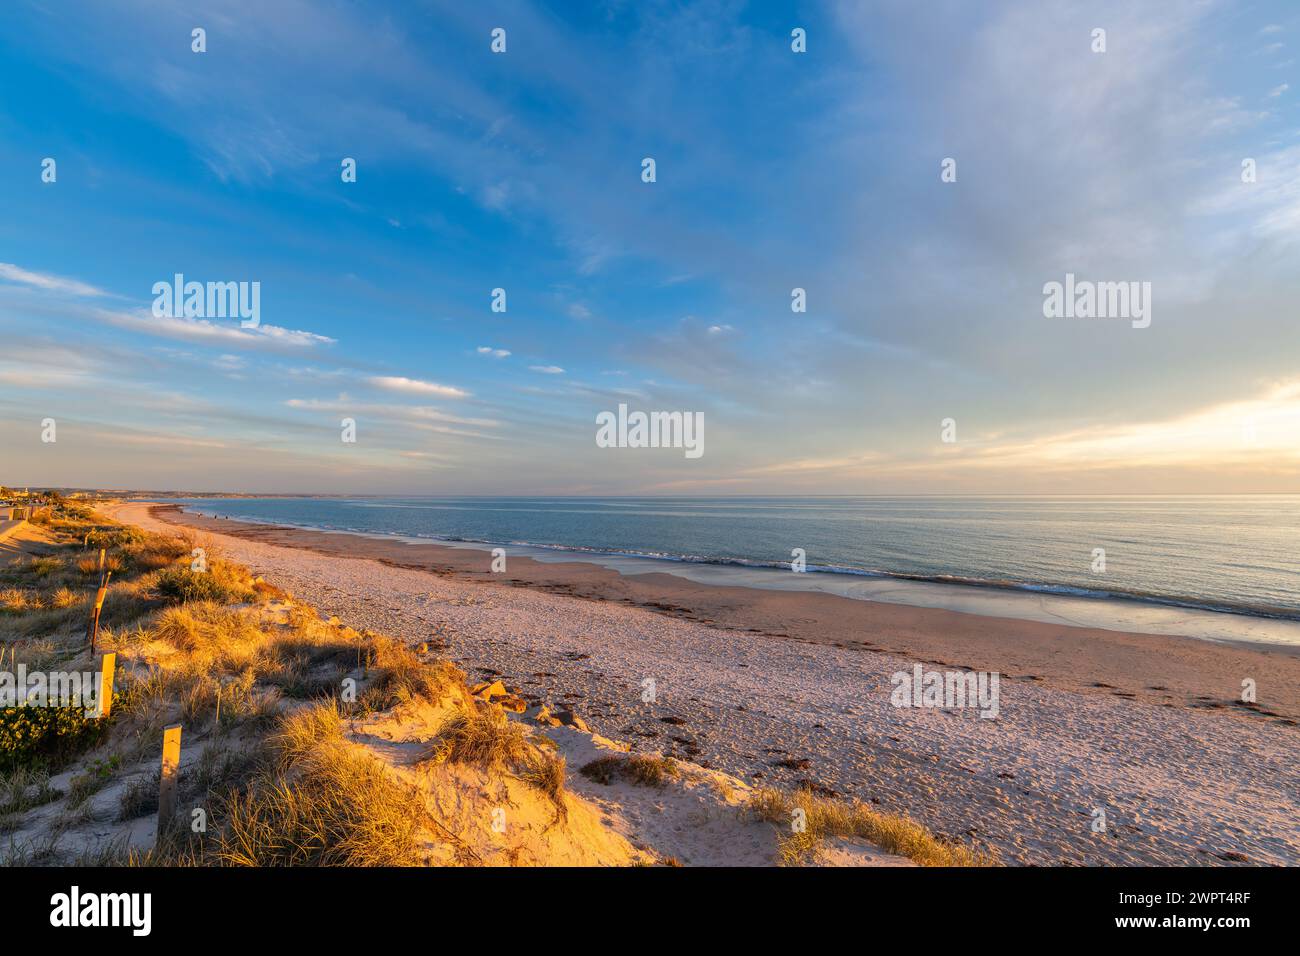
[106,670]
[171,767]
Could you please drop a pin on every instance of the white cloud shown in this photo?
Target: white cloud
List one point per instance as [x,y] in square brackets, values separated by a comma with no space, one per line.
[1279,90]
[425,455]
[404,413]
[168,440]
[414,386]
[547,369]
[201,330]
[489,350]
[50,283]
[1268,207]
[1260,429]
[24,375]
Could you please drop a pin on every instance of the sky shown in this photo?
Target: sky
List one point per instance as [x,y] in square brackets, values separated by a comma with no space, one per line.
[775,170]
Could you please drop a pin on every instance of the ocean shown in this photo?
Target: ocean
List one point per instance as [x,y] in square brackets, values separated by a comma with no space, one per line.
[1217,555]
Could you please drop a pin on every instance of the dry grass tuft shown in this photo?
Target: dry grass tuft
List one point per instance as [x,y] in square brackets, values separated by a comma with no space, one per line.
[218,639]
[90,564]
[312,663]
[44,567]
[303,731]
[339,808]
[481,735]
[648,770]
[400,676]
[155,552]
[327,803]
[139,798]
[221,581]
[826,817]
[23,789]
[17,599]
[65,597]
[546,772]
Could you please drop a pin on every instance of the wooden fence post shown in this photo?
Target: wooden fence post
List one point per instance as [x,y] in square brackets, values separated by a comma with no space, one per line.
[106,670]
[171,766]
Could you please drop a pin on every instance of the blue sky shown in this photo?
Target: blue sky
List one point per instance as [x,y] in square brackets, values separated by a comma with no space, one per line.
[775,170]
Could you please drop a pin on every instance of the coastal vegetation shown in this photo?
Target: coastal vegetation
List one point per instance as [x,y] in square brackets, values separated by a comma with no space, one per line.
[305,741]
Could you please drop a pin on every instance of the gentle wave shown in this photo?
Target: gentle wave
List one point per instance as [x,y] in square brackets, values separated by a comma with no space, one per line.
[1110,594]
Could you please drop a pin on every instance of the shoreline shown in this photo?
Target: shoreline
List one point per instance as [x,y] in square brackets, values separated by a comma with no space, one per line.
[783,688]
[1099,659]
[1021,600]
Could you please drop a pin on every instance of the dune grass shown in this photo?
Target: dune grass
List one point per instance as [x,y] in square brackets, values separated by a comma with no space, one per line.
[22,789]
[264,689]
[648,770]
[219,582]
[310,798]
[325,802]
[825,818]
[483,735]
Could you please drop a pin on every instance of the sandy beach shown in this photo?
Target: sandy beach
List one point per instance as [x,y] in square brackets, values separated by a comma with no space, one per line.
[784,687]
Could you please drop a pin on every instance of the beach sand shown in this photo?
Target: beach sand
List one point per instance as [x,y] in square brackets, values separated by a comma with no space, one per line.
[783,687]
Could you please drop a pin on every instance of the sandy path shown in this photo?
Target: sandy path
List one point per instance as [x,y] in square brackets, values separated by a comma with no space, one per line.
[24,539]
[1177,786]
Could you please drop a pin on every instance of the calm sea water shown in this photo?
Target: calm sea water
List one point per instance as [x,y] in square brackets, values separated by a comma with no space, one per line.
[1221,553]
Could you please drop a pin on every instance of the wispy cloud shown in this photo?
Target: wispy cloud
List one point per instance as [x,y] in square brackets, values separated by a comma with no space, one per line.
[1245,432]
[203,331]
[1266,426]
[49,283]
[180,441]
[418,414]
[923,295]
[415,386]
[28,364]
